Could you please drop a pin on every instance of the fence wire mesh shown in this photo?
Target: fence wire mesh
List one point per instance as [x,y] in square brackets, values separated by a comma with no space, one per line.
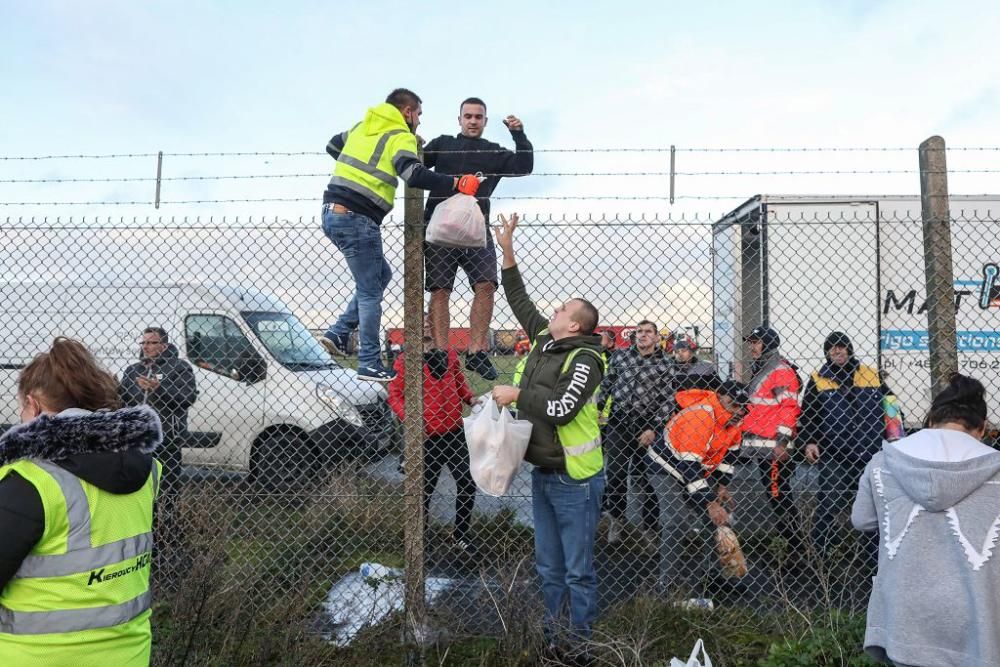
[283,497]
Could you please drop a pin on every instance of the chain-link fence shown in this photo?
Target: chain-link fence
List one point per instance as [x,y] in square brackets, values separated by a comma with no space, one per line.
[289,509]
[292,526]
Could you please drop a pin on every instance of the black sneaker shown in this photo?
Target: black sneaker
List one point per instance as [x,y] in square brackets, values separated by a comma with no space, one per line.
[376,373]
[334,344]
[479,362]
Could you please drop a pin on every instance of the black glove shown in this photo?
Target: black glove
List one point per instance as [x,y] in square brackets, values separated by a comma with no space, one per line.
[437,363]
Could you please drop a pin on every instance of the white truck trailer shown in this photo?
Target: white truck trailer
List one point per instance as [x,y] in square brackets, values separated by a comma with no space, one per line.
[809,265]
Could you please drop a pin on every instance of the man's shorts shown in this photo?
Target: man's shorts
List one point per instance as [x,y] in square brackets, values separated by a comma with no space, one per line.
[441,264]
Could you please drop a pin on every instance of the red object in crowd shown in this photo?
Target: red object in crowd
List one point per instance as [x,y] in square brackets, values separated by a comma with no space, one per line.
[468,185]
[522,346]
[774,405]
[621,335]
[443,397]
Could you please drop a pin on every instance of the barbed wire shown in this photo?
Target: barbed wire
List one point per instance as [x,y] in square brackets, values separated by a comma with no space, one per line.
[563,174]
[534,221]
[316,199]
[627,198]
[659,149]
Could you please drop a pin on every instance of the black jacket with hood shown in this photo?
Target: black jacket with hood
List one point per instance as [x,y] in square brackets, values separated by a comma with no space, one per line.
[111,450]
[458,155]
[549,397]
[176,394]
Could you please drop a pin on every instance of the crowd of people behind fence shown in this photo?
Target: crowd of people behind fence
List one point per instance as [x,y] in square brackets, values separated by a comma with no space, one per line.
[80,475]
[697,446]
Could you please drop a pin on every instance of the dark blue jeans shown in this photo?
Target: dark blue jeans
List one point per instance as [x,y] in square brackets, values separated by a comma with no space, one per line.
[360,240]
[625,457]
[566,512]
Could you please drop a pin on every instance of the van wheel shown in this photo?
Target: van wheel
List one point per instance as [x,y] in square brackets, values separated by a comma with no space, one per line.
[279,461]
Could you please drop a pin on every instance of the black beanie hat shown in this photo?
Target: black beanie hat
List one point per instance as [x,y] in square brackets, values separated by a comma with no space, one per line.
[766,335]
[840,339]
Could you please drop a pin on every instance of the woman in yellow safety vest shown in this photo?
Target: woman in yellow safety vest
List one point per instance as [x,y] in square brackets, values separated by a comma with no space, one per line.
[77,485]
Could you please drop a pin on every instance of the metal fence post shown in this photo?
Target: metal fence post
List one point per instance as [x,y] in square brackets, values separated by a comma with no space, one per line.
[159,177]
[413,427]
[940,278]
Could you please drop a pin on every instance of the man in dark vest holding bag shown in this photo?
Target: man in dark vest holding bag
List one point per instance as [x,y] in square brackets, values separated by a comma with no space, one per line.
[554,388]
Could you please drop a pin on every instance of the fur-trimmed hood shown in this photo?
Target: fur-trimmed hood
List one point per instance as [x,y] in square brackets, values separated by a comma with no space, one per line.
[110,449]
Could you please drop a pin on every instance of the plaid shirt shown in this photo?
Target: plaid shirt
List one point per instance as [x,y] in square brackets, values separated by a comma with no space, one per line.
[639,387]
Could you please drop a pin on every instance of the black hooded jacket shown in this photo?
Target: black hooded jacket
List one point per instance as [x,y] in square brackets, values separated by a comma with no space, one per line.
[176,394]
[111,450]
[458,155]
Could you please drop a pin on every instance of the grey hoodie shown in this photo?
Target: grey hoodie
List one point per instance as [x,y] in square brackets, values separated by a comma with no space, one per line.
[934,498]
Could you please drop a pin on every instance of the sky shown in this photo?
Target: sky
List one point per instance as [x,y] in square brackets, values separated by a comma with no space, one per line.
[105,77]
[587,79]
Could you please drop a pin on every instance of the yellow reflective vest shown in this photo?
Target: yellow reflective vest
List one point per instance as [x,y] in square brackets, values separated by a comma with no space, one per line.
[372,149]
[81,597]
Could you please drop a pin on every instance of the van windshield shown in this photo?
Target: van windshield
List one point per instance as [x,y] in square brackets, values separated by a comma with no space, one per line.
[288,341]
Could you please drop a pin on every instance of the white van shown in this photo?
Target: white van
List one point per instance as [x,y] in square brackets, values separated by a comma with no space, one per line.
[270,399]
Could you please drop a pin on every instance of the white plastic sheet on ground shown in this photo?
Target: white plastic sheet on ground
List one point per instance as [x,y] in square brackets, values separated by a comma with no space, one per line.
[367,597]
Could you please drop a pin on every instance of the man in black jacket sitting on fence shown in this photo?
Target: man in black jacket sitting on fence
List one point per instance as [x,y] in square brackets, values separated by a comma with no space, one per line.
[469,153]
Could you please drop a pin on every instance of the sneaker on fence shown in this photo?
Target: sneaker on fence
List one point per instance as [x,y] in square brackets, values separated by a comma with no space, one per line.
[376,373]
[615,530]
[479,362]
[334,344]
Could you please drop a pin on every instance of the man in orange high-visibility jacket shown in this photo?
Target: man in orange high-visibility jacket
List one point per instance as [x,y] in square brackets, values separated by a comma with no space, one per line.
[692,464]
[770,426]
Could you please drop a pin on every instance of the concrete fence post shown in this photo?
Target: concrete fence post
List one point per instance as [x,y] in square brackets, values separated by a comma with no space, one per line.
[940,278]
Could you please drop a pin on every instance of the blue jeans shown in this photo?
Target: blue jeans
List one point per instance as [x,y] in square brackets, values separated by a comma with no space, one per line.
[566,512]
[360,240]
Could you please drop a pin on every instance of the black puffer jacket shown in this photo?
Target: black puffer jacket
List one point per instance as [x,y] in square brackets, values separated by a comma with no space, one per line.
[111,450]
[458,155]
[177,391]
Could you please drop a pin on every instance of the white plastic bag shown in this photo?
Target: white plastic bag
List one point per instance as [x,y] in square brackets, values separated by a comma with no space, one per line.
[457,222]
[693,661]
[497,443]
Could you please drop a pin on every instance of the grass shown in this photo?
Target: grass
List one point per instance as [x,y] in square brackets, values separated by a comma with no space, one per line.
[258,567]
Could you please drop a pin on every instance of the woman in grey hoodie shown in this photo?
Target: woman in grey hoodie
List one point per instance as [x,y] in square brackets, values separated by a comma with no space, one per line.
[934,498]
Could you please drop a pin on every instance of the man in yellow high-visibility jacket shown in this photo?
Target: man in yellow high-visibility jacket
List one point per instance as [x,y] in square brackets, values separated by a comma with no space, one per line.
[370,156]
